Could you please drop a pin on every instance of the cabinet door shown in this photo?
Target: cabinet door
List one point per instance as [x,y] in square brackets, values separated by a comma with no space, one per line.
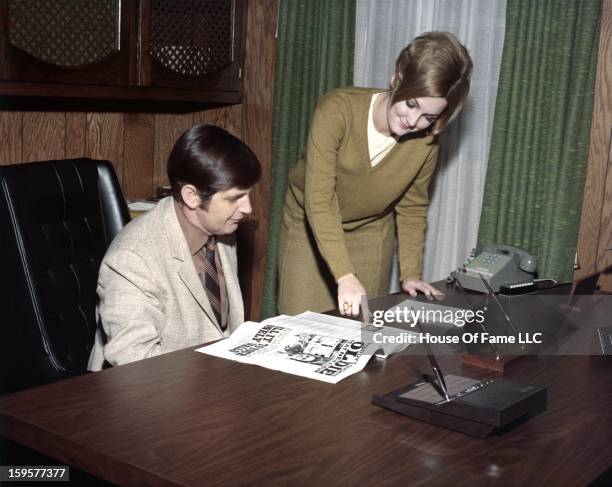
[68,41]
[192,44]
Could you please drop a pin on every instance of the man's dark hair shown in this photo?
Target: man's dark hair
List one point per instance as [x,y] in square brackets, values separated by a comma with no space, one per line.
[213,160]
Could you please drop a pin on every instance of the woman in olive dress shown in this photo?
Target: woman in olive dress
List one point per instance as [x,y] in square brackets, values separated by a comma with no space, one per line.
[364,177]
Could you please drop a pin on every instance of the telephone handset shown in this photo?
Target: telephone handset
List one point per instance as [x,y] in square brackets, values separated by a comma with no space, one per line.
[500,265]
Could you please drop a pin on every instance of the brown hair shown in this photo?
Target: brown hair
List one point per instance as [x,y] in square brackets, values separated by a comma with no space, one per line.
[212,160]
[434,64]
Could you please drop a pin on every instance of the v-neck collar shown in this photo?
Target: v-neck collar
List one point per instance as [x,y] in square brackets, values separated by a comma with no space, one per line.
[364,115]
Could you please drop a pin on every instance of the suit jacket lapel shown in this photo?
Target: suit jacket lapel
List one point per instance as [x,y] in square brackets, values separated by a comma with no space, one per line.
[192,281]
[180,252]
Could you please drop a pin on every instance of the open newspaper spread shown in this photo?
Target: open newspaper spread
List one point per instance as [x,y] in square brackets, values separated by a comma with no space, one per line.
[310,345]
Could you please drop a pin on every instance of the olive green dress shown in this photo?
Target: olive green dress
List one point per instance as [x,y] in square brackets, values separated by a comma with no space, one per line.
[340,213]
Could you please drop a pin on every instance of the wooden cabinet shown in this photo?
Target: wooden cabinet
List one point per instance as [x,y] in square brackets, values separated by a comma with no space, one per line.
[188,42]
[54,42]
[184,50]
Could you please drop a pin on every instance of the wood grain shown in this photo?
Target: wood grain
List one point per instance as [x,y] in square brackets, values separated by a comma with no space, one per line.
[161,148]
[168,128]
[229,118]
[233,120]
[105,139]
[76,134]
[138,154]
[190,419]
[43,136]
[257,123]
[596,206]
[604,252]
[10,135]
[214,116]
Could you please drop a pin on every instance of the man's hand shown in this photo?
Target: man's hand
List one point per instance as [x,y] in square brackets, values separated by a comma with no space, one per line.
[350,291]
[412,286]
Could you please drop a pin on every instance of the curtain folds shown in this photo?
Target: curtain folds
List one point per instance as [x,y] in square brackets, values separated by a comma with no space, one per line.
[314,55]
[384,27]
[540,141]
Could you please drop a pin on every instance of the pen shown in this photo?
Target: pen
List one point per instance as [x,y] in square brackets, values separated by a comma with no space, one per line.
[482,326]
[440,379]
[498,304]
[434,363]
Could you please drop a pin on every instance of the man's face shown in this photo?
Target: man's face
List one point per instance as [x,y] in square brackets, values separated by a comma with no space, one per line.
[224,210]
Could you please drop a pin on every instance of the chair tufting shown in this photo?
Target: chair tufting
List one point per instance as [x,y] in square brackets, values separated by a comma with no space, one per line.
[57,218]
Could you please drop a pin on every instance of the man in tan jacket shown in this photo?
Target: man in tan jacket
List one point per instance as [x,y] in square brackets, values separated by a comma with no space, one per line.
[169,279]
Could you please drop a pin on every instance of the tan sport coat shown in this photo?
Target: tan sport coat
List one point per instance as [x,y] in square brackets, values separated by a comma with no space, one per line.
[152,300]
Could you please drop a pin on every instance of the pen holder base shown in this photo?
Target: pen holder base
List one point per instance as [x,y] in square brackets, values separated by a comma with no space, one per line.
[498,364]
[483,408]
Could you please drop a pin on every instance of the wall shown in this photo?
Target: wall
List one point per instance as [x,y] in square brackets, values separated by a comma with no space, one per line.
[138,142]
[595,239]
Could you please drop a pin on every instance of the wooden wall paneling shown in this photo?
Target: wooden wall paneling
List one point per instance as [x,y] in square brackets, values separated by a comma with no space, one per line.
[105,139]
[10,137]
[604,253]
[233,120]
[168,128]
[258,104]
[138,155]
[214,116]
[161,148]
[229,118]
[182,122]
[76,134]
[43,136]
[592,216]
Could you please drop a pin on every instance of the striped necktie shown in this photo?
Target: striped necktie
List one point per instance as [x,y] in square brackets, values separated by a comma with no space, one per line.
[211,280]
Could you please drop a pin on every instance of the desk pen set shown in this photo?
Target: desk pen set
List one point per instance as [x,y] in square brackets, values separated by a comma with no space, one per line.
[473,407]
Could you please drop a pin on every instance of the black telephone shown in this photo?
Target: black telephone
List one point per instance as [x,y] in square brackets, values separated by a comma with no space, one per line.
[501,266]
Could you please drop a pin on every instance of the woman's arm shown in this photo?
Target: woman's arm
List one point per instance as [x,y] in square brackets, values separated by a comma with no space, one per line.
[329,128]
[411,215]
[327,131]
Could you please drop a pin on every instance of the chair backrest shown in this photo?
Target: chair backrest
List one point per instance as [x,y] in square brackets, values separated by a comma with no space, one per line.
[57,218]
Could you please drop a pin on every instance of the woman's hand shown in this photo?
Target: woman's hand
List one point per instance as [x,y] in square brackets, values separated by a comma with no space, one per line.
[412,286]
[350,291]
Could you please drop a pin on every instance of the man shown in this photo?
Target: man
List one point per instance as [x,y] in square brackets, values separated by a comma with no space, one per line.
[169,279]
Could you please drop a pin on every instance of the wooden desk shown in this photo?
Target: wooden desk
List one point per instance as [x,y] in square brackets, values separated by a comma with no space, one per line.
[190,419]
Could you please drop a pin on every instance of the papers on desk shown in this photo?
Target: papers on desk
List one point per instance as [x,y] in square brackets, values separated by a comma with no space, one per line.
[141,205]
[310,345]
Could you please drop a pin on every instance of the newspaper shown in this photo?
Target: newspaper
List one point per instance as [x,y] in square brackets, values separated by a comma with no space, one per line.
[310,345]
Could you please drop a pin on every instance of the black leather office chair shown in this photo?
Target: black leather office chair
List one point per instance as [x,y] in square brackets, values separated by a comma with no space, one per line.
[57,219]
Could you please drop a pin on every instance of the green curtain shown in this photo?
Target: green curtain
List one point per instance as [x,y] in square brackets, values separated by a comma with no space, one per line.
[316,40]
[541,131]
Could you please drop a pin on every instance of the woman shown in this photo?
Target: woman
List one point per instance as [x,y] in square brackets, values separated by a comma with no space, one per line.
[364,176]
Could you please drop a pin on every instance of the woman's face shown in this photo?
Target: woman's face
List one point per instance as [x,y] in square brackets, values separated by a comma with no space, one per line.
[415,114]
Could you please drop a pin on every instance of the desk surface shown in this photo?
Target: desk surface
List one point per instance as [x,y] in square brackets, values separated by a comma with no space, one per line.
[186,418]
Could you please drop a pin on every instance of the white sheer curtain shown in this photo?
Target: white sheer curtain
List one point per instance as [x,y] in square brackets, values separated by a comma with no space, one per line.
[383,28]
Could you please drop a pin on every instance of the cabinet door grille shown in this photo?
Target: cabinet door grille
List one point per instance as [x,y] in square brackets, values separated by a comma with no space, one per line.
[65,32]
[192,37]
